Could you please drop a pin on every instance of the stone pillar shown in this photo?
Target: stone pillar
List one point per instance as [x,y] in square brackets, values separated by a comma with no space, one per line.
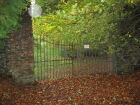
[21,48]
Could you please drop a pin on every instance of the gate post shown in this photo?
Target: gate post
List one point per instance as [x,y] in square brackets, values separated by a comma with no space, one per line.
[114,63]
[21,48]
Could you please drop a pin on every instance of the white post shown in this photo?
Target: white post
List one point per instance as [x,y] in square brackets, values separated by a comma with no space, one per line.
[32,6]
[35,10]
[33,2]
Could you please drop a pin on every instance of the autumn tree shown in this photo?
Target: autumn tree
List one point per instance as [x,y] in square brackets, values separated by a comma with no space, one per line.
[99,23]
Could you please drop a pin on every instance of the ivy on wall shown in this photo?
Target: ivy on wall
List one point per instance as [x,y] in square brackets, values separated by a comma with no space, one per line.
[10,11]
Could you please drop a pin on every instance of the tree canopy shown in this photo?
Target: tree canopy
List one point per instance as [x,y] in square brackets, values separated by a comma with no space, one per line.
[113,25]
[81,21]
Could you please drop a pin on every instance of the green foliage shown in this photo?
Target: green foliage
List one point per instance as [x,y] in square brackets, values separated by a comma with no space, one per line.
[10,12]
[82,21]
[128,41]
[113,24]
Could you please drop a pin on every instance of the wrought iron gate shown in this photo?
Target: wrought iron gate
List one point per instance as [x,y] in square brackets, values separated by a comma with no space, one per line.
[59,60]
[51,60]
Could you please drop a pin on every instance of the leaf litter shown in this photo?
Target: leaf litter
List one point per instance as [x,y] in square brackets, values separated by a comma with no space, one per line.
[108,89]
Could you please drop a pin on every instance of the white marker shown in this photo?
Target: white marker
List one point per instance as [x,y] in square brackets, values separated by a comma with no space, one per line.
[86,46]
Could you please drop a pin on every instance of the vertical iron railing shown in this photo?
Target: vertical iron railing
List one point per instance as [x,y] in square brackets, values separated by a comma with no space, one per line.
[59,60]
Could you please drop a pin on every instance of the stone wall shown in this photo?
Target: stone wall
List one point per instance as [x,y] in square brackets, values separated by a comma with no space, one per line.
[21,57]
